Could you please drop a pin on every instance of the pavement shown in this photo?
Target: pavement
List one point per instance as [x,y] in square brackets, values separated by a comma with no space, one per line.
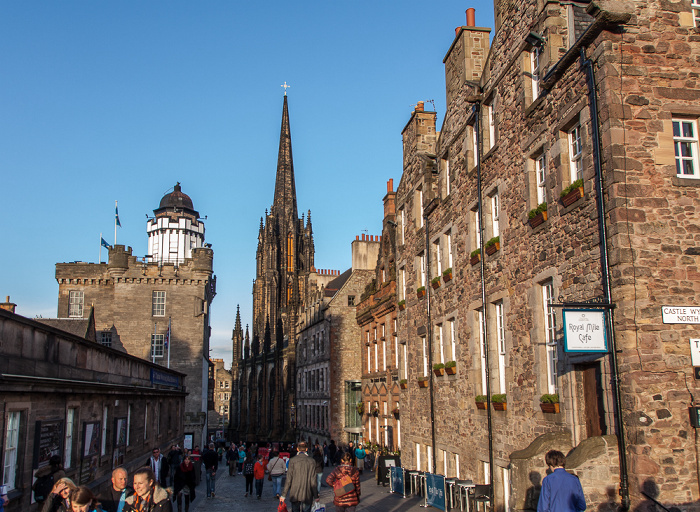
[230,496]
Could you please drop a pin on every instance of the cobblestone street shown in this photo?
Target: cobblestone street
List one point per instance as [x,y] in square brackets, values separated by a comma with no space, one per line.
[230,496]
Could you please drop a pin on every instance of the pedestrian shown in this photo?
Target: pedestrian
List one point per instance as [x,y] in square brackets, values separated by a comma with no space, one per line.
[210,459]
[174,460]
[160,467]
[345,481]
[259,473]
[241,458]
[184,484]
[332,451]
[325,454]
[249,473]
[301,481]
[148,495]
[360,455]
[232,459]
[82,500]
[561,491]
[197,462]
[276,468]
[58,498]
[3,497]
[113,499]
[351,450]
[46,478]
[318,459]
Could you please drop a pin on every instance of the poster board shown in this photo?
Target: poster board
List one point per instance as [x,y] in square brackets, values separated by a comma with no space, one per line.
[48,441]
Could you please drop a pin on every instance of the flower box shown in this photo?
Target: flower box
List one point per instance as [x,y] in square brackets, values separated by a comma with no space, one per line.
[402,305]
[439,371]
[423,382]
[480,401]
[572,193]
[403,383]
[481,405]
[420,292]
[396,413]
[499,406]
[493,245]
[435,283]
[450,370]
[475,257]
[538,219]
[499,402]
[549,408]
[447,275]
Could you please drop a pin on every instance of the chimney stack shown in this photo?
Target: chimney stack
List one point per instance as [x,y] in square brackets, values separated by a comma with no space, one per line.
[419,106]
[7,305]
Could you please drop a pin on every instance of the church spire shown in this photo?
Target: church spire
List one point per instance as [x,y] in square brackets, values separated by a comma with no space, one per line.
[285,200]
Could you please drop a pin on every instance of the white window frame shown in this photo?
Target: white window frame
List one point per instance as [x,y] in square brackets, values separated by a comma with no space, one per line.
[535,54]
[158,303]
[506,488]
[105,418]
[68,441]
[477,229]
[575,153]
[376,355]
[402,284]
[396,343]
[475,145]
[76,303]
[157,346]
[501,343]
[441,344]
[418,456]
[492,125]
[446,171]
[384,353]
[550,331]
[369,354]
[482,350]
[438,257]
[695,5]
[495,212]
[422,269]
[425,356]
[453,339]
[420,207]
[11,457]
[405,362]
[681,139]
[448,242]
[403,225]
[541,176]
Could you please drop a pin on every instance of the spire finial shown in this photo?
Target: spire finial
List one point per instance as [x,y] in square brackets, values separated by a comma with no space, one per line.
[285,87]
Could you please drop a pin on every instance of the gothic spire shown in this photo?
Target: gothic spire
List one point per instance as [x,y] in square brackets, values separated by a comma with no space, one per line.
[237,328]
[285,200]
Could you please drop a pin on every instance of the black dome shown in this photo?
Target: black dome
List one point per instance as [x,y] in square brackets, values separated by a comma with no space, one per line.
[176,199]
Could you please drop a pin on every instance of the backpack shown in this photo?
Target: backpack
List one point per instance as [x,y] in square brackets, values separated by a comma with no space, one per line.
[343,486]
[42,487]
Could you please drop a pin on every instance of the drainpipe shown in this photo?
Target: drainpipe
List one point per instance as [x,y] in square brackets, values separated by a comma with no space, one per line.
[479,141]
[587,66]
[426,212]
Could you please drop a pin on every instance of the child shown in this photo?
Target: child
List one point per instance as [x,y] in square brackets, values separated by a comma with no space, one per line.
[248,472]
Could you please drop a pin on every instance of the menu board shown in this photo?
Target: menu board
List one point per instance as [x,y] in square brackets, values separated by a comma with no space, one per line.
[48,442]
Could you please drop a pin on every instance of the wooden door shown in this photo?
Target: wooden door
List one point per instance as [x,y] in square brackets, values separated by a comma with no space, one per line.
[594,410]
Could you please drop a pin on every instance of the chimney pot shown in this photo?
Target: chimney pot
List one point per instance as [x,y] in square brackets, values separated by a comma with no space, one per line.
[357,237]
[390,185]
[471,18]
[419,106]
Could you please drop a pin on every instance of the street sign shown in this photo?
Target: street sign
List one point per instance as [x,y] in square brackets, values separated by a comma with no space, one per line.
[584,330]
[695,351]
[680,314]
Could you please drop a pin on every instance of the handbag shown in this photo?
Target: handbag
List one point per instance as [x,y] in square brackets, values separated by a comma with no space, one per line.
[318,507]
[282,507]
[269,477]
[343,486]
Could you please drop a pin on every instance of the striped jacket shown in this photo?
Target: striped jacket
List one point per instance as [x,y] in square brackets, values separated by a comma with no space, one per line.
[351,498]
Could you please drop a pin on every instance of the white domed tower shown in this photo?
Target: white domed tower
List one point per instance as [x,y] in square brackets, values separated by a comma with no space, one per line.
[175,230]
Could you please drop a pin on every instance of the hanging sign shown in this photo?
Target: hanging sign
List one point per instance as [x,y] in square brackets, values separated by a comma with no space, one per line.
[695,351]
[584,330]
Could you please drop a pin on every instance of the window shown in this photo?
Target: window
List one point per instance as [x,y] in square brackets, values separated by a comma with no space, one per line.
[103,449]
[106,338]
[75,304]
[384,353]
[351,300]
[405,362]
[550,330]
[11,450]
[157,345]
[425,356]
[492,124]
[437,256]
[448,245]
[402,284]
[501,341]
[541,174]
[128,424]
[506,488]
[158,303]
[68,449]
[575,153]
[419,206]
[482,350]
[535,54]
[421,258]
[495,212]
[402,220]
[685,143]
[376,354]
[445,171]
[695,4]
[453,338]
[396,345]
[475,145]
[226,384]
[440,344]
[477,228]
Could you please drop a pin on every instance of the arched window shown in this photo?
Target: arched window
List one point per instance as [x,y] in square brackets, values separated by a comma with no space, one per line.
[290,253]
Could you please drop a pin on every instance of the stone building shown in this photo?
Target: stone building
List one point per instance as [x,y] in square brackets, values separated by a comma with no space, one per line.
[284,259]
[577,125]
[377,319]
[157,307]
[328,369]
[95,407]
[219,415]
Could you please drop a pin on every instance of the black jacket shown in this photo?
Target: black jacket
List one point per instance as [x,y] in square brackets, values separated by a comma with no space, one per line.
[109,498]
[210,459]
[161,502]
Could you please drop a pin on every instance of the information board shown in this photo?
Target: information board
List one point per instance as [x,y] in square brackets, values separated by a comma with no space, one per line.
[48,442]
[397,483]
[584,330]
[435,491]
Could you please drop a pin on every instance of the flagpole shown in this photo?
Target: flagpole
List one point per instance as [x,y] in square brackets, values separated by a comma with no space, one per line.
[169,340]
[153,344]
[100,260]
[116,219]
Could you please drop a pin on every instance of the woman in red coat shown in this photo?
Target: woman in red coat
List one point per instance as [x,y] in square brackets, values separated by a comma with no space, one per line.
[348,501]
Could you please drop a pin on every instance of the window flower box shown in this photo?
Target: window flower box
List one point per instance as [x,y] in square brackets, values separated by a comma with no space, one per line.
[420,292]
[538,215]
[499,402]
[439,369]
[395,412]
[375,411]
[447,275]
[493,245]
[451,367]
[422,382]
[549,403]
[435,283]
[475,257]
[403,383]
[360,408]
[402,305]
[572,193]
[480,401]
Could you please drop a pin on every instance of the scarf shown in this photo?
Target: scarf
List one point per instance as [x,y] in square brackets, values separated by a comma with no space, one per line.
[141,504]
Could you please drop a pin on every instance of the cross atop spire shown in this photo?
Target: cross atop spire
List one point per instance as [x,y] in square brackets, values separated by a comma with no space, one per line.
[285,87]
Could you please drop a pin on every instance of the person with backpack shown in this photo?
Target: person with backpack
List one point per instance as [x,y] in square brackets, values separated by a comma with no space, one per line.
[46,478]
[249,473]
[345,481]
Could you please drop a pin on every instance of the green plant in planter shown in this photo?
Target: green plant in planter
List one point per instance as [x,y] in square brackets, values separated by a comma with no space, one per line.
[575,184]
[403,381]
[435,280]
[475,253]
[498,398]
[480,398]
[447,271]
[421,289]
[549,399]
[493,241]
[402,303]
[450,364]
[438,366]
[360,408]
[542,207]
[422,379]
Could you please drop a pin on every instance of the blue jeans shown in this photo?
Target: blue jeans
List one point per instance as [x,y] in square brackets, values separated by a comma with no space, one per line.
[300,506]
[277,484]
[211,482]
[258,486]
[319,477]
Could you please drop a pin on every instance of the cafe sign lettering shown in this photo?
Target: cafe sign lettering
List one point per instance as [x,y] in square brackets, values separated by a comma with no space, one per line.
[584,330]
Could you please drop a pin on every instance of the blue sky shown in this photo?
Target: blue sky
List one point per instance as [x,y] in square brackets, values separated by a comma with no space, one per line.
[105,101]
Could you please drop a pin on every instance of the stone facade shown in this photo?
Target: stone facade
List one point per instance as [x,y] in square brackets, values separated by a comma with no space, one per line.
[57,386]
[135,300]
[377,320]
[518,132]
[218,420]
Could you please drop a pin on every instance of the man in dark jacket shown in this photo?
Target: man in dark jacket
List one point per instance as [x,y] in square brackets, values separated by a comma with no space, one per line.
[301,481]
[160,467]
[211,463]
[117,492]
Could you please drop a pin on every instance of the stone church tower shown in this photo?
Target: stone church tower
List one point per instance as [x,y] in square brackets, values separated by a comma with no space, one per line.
[284,258]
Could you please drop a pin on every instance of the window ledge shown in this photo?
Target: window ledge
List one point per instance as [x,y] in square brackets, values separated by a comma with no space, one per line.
[686,182]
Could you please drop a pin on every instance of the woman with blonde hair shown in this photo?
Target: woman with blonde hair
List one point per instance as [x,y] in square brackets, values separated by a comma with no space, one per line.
[148,495]
[59,498]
